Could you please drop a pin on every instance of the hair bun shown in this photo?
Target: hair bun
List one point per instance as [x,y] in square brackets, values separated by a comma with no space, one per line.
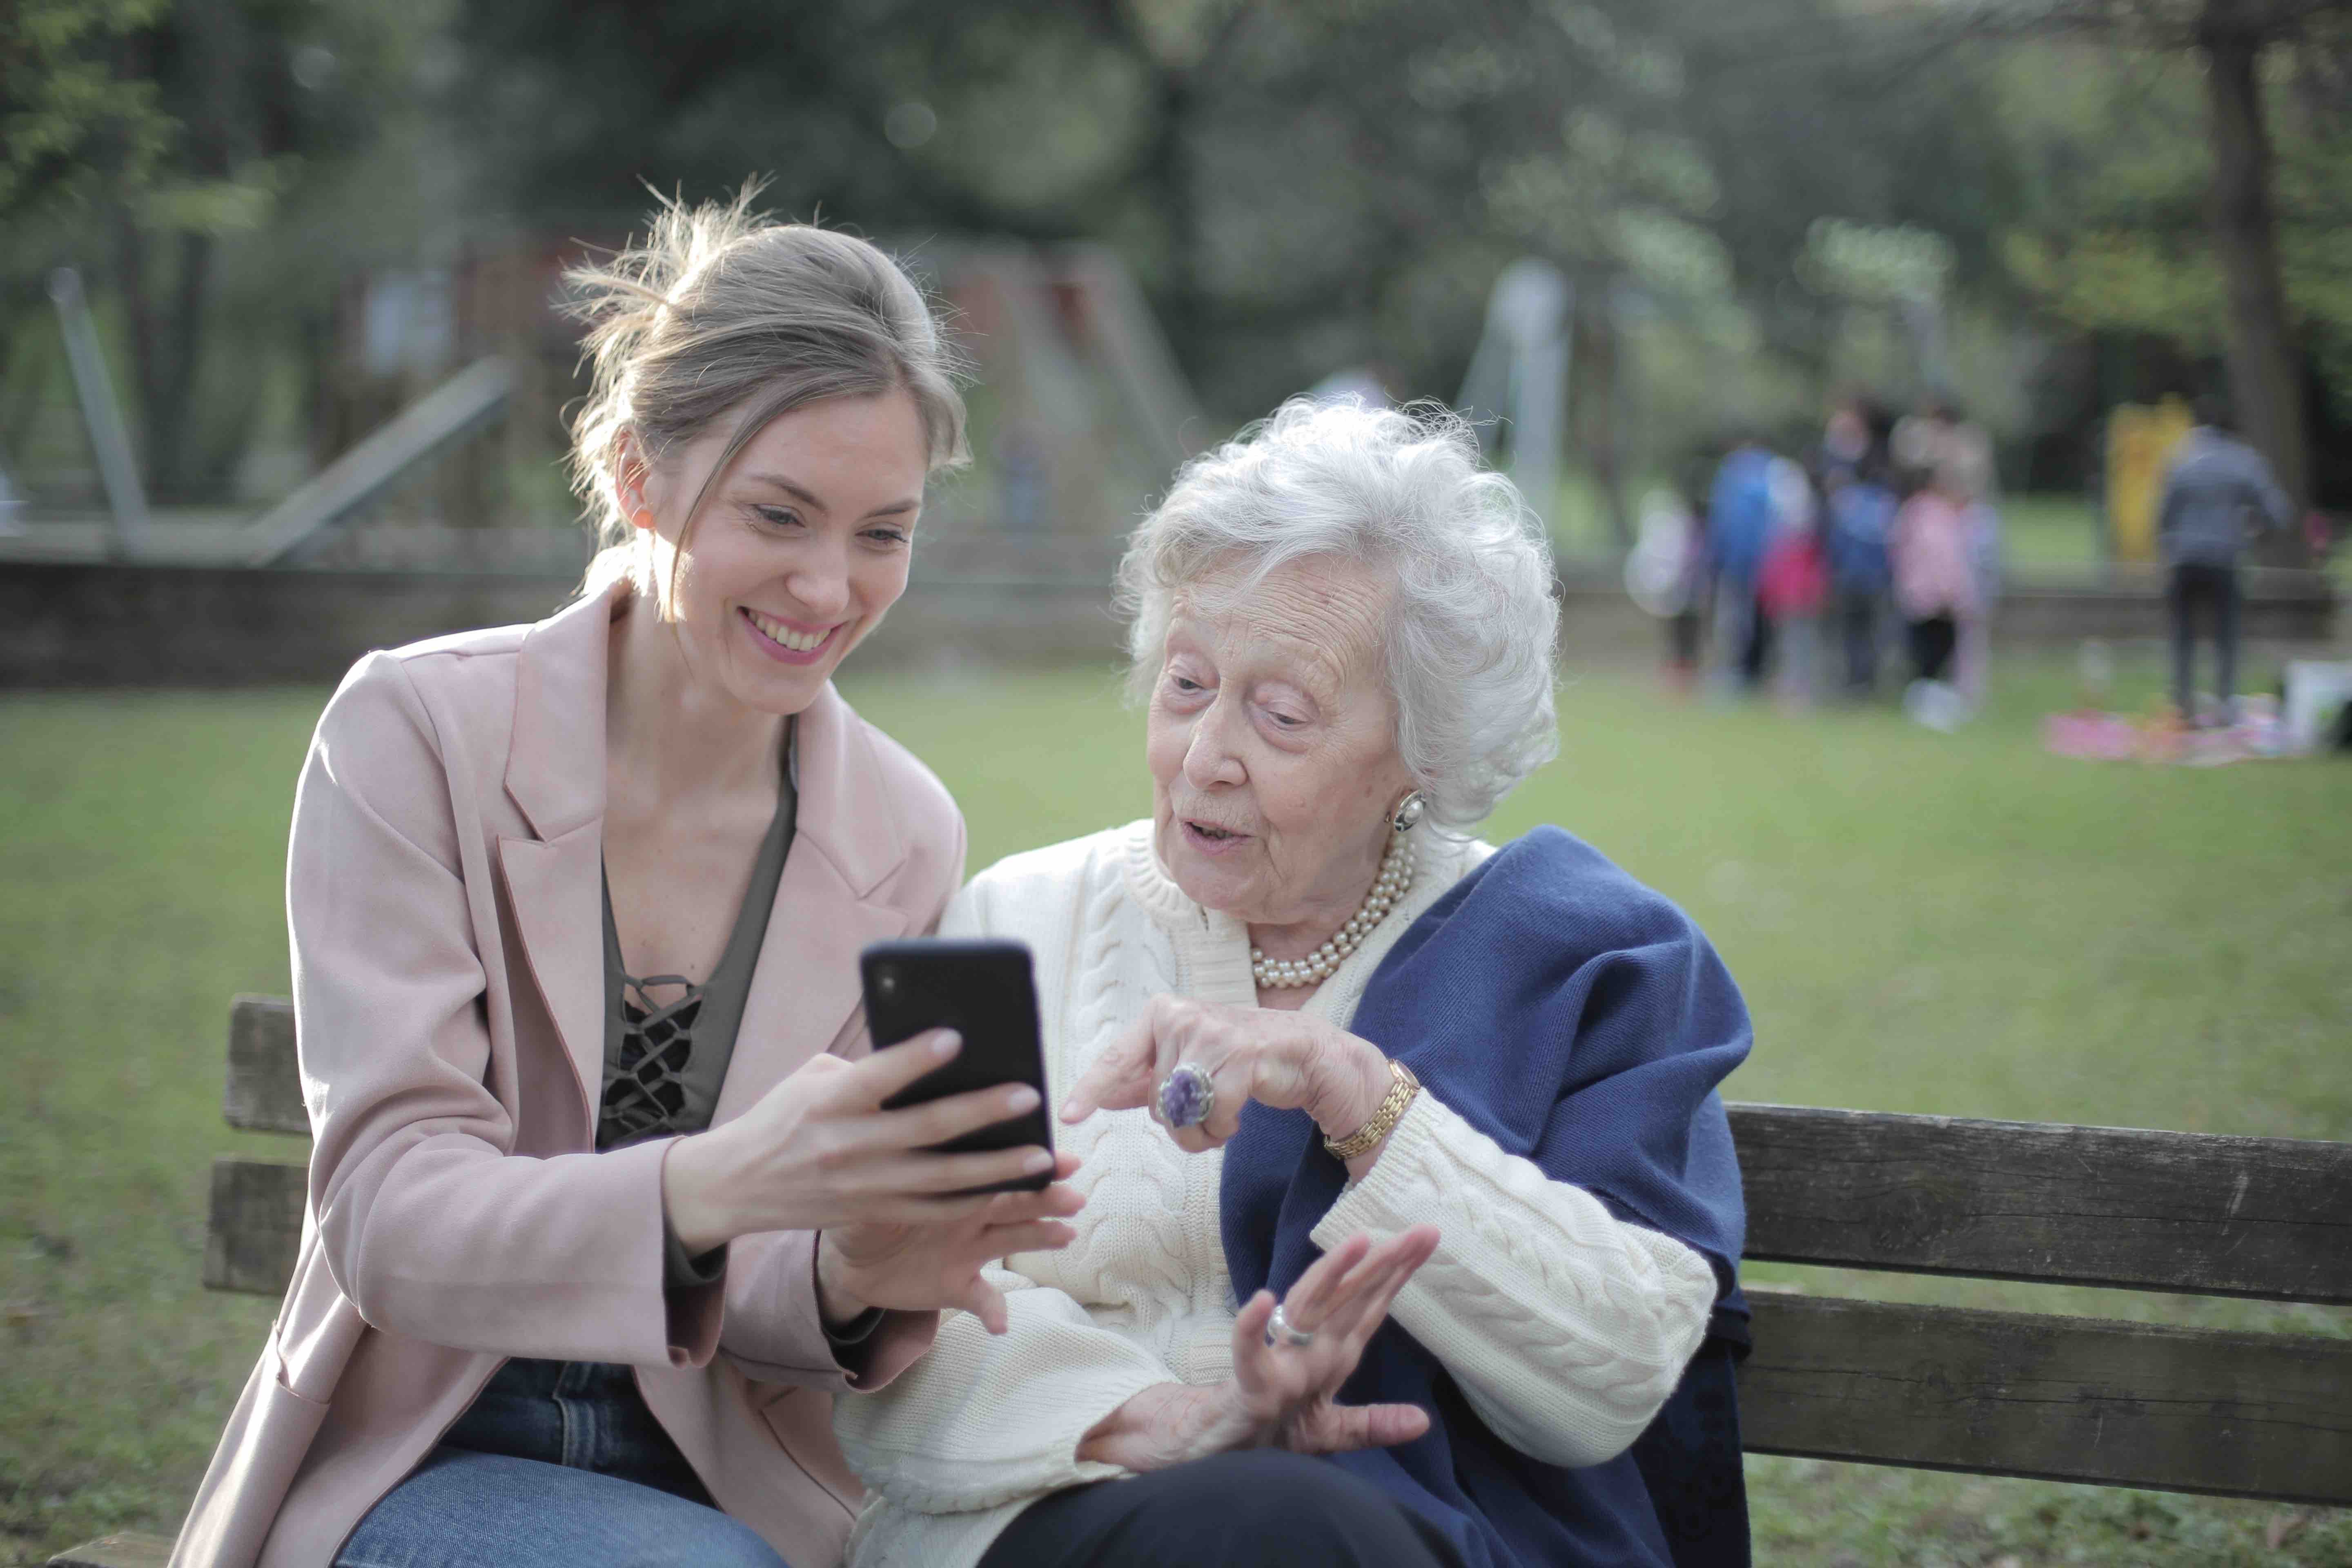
[719,310]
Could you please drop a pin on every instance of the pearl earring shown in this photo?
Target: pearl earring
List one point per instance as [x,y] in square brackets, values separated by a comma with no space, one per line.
[1408,811]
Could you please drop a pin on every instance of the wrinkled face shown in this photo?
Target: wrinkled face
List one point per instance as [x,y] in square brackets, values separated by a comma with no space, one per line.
[1271,745]
[799,549]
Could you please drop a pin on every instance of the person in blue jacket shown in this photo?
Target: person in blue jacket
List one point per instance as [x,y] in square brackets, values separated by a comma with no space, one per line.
[1739,526]
[1861,510]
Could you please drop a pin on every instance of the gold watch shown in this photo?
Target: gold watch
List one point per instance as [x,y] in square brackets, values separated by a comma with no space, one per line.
[1384,1120]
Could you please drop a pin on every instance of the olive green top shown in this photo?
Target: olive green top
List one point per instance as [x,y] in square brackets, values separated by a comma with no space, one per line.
[667,1040]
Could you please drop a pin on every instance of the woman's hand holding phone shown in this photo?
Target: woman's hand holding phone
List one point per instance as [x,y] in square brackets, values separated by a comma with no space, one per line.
[939,1265]
[819,1152]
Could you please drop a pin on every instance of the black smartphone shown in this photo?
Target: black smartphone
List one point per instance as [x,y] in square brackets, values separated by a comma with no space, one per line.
[984,991]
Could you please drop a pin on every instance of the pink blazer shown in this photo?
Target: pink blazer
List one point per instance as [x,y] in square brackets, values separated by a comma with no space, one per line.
[443,891]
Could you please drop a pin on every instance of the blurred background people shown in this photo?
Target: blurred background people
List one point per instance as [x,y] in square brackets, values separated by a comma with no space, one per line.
[1850,436]
[2217,493]
[1937,590]
[1940,439]
[1855,499]
[1938,447]
[1792,587]
[1858,515]
[1666,571]
[1739,526]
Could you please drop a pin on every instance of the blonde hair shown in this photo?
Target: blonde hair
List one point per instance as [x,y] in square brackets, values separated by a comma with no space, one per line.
[720,312]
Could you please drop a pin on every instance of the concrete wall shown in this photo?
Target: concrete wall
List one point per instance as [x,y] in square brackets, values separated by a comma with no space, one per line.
[93,625]
[80,625]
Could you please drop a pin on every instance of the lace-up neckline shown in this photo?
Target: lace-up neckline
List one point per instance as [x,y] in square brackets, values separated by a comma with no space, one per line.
[667,1039]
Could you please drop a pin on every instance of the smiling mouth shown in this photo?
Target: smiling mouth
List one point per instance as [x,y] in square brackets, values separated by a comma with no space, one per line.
[1212,832]
[784,635]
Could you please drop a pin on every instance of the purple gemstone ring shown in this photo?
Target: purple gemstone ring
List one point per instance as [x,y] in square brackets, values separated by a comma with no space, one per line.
[1186,1096]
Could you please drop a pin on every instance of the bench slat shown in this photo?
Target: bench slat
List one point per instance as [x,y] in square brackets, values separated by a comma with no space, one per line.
[2204,1214]
[127,1549]
[1935,1387]
[254,1231]
[2199,1213]
[265,1085]
[2068,1399]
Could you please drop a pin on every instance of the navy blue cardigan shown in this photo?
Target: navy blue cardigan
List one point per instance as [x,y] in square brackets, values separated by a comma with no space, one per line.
[1581,1020]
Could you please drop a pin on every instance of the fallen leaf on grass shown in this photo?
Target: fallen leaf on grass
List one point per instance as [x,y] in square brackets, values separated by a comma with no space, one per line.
[2283,1527]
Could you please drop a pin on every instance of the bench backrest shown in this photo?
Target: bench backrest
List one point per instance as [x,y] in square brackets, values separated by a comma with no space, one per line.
[2018,1393]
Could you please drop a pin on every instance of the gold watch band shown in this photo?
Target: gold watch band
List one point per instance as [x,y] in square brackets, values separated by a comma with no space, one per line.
[1384,1120]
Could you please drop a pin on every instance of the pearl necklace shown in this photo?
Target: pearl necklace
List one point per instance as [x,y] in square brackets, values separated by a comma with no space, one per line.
[1394,880]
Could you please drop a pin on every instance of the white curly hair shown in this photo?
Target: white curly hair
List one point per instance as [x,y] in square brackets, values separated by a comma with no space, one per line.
[1400,491]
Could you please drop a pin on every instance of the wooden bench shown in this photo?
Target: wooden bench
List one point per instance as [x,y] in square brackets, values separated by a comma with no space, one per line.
[1948,1388]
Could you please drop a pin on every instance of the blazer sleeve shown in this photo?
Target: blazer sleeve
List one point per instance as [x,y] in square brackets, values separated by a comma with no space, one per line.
[427,1223]
[772,1330]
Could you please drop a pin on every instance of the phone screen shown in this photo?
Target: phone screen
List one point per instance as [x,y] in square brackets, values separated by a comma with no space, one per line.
[984,991]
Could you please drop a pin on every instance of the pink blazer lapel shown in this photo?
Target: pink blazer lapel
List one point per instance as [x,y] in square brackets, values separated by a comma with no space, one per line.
[847,842]
[555,888]
[555,773]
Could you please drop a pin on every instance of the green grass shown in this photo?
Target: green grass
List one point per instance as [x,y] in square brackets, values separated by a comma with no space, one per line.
[2050,534]
[1921,922]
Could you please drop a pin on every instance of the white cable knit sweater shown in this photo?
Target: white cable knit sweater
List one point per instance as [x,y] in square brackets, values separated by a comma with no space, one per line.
[1565,1328]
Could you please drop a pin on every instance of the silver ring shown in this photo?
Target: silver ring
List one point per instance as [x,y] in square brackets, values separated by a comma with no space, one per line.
[1186,1097]
[1278,1331]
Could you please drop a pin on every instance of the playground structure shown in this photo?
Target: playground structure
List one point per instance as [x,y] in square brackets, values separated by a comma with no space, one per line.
[442,380]
[1078,416]
[447,387]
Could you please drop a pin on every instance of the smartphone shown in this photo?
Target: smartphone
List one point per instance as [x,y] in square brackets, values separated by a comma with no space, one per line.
[984,991]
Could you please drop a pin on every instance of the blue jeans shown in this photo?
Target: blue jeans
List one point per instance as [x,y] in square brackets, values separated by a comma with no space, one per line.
[556,1465]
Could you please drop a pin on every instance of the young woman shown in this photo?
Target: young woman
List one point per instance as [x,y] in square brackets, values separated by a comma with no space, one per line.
[603,1207]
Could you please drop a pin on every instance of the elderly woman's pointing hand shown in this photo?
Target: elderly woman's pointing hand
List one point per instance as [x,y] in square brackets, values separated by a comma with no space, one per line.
[1292,1061]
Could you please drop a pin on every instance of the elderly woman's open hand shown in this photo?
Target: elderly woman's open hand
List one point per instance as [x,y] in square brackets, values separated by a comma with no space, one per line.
[1284,1389]
[1288,1061]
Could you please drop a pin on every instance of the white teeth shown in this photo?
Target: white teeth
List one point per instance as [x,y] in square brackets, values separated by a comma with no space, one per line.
[799,642]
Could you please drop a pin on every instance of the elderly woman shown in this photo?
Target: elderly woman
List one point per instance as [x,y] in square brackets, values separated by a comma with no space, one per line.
[1409,1195]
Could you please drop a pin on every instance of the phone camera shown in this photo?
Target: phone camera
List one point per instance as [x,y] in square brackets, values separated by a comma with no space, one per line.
[887,981]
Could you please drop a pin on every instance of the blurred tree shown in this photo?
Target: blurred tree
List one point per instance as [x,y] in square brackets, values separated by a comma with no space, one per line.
[69,125]
[2129,252]
[67,118]
[1301,186]
[1667,156]
[144,135]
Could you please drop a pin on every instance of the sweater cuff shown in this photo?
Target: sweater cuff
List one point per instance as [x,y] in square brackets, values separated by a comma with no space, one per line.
[1380,1202]
[1045,1423]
